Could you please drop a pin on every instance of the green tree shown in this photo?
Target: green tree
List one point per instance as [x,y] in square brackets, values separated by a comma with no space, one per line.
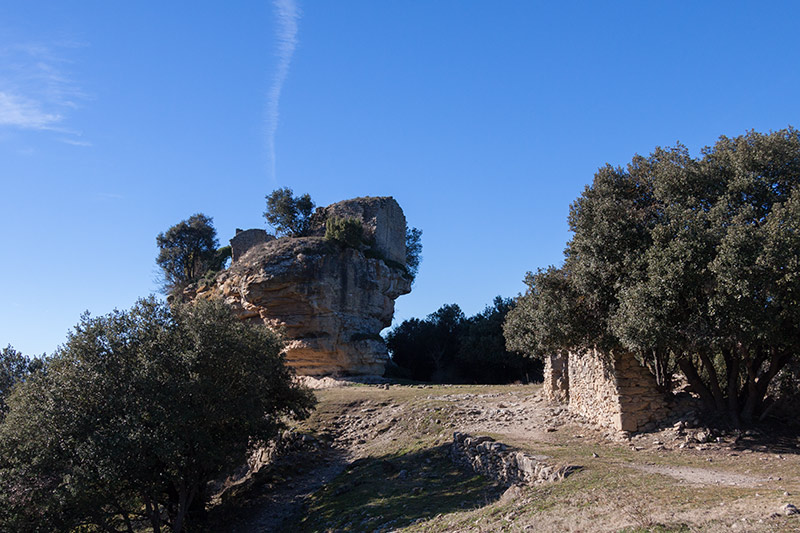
[428,347]
[133,417]
[687,262]
[448,346]
[287,214]
[483,356]
[14,367]
[413,251]
[187,251]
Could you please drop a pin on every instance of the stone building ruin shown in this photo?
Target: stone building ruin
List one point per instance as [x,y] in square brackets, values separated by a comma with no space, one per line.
[612,390]
[246,239]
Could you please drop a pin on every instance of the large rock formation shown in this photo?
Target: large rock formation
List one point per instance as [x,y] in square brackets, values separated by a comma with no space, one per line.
[331,301]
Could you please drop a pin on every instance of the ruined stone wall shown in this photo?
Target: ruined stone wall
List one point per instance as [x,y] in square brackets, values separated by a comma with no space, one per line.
[495,460]
[642,405]
[246,239]
[381,217]
[614,391]
[593,389]
[556,378]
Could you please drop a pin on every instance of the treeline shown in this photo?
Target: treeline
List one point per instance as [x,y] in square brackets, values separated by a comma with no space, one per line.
[448,347]
[691,263]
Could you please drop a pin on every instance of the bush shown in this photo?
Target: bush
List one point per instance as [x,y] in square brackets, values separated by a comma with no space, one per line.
[133,417]
[347,231]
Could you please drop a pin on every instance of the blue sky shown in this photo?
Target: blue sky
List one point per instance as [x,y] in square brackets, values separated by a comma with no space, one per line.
[483,119]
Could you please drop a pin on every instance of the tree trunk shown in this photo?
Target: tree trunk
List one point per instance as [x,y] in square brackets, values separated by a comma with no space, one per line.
[688,369]
[732,371]
[758,381]
[153,514]
[716,390]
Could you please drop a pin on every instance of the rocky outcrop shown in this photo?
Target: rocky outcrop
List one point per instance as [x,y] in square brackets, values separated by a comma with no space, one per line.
[330,301]
[381,217]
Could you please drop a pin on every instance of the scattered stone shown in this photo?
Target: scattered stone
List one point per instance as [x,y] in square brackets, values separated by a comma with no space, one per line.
[512,493]
[789,509]
[501,463]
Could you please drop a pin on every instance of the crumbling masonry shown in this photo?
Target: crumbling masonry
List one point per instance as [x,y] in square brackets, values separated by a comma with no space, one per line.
[610,390]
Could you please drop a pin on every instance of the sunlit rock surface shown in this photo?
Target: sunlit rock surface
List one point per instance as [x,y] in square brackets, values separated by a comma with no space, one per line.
[330,301]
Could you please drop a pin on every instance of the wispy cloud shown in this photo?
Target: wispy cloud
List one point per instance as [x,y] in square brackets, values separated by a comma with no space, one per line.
[26,113]
[288,15]
[75,142]
[35,91]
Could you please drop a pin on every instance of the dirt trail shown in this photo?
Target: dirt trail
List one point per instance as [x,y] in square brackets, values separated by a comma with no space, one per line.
[703,476]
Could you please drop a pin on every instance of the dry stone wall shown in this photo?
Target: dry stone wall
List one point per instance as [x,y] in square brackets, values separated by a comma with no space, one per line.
[556,378]
[613,391]
[504,465]
[246,239]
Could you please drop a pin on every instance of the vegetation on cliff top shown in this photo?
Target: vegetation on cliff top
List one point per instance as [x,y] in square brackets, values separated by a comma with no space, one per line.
[289,215]
[188,251]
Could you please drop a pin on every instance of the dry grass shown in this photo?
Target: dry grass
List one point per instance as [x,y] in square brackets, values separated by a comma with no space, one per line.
[408,428]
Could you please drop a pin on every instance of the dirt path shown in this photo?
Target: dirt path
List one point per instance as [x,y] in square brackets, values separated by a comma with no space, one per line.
[703,476]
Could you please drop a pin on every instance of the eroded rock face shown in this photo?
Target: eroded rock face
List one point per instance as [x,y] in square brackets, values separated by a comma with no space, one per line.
[330,301]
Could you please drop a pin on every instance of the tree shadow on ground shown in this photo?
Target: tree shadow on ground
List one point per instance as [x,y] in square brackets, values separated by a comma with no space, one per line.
[393,491]
[277,494]
[776,436]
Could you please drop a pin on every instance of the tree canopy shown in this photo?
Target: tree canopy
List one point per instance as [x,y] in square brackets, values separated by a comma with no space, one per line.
[288,214]
[690,262]
[14,368]
[188,250]
[139,410]
[448,346]
[413,251]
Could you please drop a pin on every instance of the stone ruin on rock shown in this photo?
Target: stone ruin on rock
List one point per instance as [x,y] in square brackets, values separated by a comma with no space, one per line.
[612,390]
[330,301]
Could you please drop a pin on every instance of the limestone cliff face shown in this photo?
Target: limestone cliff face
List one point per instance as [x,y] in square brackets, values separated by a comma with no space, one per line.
[330,301]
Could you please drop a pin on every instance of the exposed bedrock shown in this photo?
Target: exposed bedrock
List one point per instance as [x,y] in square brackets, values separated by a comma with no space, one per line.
[330,301]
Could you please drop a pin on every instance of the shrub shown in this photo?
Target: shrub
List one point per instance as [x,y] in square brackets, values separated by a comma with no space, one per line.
[347,231]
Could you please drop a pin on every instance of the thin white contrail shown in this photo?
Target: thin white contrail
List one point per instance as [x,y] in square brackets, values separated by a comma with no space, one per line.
[288,14]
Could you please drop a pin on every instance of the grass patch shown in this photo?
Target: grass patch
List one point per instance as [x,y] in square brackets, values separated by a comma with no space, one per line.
[395,491]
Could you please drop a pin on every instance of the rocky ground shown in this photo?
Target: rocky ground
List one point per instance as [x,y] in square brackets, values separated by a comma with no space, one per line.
[375,457]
